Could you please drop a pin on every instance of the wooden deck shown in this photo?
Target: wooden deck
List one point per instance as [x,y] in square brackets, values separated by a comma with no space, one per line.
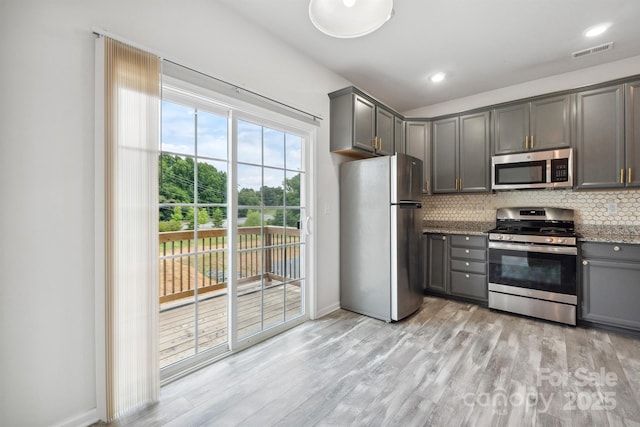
[177,330]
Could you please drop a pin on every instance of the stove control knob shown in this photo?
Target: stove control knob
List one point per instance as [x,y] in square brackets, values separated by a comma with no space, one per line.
[560,240]
[507,237]
[549,239]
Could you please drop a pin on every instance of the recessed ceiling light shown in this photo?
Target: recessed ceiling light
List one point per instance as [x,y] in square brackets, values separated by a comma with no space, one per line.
[596,30]
[438,77]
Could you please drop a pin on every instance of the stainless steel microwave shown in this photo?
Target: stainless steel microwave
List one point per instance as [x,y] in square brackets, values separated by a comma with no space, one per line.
[536,169]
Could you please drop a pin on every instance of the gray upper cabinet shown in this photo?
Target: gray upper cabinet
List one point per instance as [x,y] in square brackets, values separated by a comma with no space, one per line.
[398,129]
[474,153]
[385,121]
[600,138]
[632,135]
[417,145]
[445,155]
[364,119]
[360,126]
[541,124]
[461,152]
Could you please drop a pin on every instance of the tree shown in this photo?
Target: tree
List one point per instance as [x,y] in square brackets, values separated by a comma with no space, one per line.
[254,219]
[203,217]
[247,197]
[218,218]
[292,202]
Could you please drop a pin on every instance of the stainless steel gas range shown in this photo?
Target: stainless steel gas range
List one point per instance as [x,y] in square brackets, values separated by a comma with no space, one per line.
[532,263]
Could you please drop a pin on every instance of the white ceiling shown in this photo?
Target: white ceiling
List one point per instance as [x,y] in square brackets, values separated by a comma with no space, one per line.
[481,44]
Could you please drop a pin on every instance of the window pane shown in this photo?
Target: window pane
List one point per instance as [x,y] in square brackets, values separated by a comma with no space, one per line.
[212,182]
[249,183]
[178,129]
[273,148]
[176,179]
[249,143]
[293,295]
[272,190]
[212,135]
[294,152]
[292,189]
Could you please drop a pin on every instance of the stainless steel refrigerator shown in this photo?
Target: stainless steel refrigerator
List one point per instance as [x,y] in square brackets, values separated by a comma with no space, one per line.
[381,251]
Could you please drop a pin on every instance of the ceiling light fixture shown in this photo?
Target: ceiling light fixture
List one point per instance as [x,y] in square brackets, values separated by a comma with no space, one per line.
[438,77]
[596,30]
[349,18]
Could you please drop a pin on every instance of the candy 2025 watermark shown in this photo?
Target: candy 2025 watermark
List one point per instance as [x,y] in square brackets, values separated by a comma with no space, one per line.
[596,395]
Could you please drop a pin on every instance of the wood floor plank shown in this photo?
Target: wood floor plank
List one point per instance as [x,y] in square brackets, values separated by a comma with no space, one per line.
[451,364]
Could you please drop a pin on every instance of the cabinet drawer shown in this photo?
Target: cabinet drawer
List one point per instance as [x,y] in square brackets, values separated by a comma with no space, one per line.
[469,241]
[616,251]
[471,254]
[469,266]
[469,285]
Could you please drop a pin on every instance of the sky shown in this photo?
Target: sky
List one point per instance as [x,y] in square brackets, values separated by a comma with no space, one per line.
[257,146]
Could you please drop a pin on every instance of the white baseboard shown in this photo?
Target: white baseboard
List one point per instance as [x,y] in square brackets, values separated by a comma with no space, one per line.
[326,310]
[80,420]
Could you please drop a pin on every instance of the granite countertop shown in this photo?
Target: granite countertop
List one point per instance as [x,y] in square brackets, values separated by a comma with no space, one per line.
[457,227]
[608,233]
[586,232]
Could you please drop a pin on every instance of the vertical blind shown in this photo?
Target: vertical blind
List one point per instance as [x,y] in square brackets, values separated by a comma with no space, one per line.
[131,122]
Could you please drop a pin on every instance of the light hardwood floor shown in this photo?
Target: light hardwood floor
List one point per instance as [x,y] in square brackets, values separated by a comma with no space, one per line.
[450,364]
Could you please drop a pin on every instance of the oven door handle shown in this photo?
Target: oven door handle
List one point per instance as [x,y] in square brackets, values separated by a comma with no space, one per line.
[562,250]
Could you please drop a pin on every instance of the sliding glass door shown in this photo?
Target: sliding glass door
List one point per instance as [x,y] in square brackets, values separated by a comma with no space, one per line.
[271,213]
[232,263]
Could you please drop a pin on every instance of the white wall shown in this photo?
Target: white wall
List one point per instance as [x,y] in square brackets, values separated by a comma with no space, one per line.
[47,311]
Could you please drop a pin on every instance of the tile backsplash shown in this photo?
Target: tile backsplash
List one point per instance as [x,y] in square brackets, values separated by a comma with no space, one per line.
[612,207]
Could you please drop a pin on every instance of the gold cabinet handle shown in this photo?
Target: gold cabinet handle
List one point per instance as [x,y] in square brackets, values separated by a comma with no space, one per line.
[532,142]
[621,176]
[585,262]
[460,184]
[526,142]
[379,143]
[629,176]
[427,185]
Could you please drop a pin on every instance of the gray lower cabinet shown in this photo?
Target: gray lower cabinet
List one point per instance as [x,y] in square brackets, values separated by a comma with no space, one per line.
[437,261]
[457,265]
[541,124]
[611,284]
[461,154]
[417,145]
[469,267]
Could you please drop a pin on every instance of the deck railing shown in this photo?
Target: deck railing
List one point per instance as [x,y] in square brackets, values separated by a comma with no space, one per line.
[277,258]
